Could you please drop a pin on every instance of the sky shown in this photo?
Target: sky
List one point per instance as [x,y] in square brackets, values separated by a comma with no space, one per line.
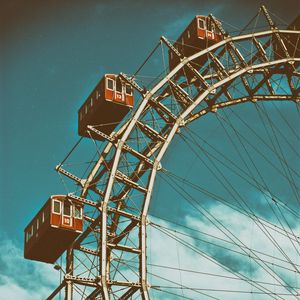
[52,55]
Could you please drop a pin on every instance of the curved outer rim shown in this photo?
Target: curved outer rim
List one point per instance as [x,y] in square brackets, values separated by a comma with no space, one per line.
[163,147]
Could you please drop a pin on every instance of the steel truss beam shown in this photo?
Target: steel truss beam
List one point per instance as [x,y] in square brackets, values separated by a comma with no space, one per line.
[111,211]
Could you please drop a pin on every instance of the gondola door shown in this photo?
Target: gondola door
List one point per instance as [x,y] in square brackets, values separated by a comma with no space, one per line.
[210,33]
[67,220]
[119,93]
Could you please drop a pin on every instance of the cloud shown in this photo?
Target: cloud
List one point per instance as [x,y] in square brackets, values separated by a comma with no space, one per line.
[23,279]
[27,280]
[167,252]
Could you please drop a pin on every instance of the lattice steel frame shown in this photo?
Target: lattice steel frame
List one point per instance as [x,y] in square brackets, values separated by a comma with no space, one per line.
[211,92]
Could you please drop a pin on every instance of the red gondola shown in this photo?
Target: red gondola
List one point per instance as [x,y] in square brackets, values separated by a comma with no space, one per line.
[53,229]
[200,34]
[106,106]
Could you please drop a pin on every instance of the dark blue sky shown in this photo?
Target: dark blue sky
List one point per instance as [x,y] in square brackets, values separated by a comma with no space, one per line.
[52,55]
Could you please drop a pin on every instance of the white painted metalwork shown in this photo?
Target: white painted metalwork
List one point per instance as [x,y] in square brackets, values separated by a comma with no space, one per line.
[111,207]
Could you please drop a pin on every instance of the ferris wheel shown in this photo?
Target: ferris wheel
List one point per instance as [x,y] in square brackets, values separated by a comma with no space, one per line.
[105,220]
